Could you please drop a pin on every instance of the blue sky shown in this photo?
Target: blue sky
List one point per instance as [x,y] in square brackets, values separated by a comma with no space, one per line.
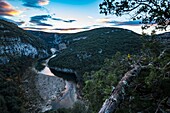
[63,16]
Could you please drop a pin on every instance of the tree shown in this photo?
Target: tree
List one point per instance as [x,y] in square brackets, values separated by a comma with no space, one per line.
[149,11]
[99,84]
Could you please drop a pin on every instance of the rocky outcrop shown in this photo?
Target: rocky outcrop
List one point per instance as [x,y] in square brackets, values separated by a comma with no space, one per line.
[40,90]
[65,70]
[15,42]
[49,88]
[52,39]
[17,48]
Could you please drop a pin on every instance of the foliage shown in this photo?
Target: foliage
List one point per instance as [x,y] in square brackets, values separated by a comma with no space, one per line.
[10,81]
[149,11]
[149,91]
[99,84]
[151,88]
[89,54]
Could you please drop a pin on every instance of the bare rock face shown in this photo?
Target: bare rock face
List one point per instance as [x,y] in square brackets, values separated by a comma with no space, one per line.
[40,90]
[49,89]
[18,48]
[15,42]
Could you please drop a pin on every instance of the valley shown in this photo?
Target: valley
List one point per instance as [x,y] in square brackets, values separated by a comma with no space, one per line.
[54,72]
[56,92]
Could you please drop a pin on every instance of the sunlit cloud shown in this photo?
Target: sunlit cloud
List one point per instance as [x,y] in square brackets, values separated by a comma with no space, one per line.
[35,3]
[90,17]
[22,16]
[61,30]
[43,2]
[34,28]
[104,20]
[71,29]
[7,9]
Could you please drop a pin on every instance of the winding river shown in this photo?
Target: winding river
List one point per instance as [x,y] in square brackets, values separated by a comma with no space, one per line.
[67,97]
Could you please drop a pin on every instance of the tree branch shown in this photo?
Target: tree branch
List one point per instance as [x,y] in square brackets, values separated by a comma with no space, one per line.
[110,105]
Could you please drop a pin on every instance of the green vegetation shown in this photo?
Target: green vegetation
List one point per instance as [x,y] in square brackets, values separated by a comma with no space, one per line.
[99,84]
[89,53]
[11,100]
[95,55]
[148,93]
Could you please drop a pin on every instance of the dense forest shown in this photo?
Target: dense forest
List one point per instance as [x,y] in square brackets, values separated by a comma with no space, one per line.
[149,92]
[11,93]
[119,70]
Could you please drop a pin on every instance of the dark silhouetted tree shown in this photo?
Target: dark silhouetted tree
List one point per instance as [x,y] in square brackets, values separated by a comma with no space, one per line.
[149,11]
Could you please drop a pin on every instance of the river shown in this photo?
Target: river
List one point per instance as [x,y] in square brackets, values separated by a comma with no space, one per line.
[67,97]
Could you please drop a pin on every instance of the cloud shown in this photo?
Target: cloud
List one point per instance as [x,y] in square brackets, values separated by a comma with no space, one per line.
[71,29]
[20,23]
[12,21]
[7,9]
[119,23]
[62,30]
[95,25]
[31,5]
[56,29]
[38,20]
[37,29]
[104,20]
[41,17]
[43,2]
[35,3]
[67,21]
[130,23]
[44,24]
[90,17]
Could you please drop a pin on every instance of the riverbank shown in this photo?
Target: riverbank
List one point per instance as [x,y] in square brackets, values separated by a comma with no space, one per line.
[49,89]
[45,92]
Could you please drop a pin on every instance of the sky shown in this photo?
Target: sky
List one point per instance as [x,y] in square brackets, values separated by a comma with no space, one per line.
[62,16]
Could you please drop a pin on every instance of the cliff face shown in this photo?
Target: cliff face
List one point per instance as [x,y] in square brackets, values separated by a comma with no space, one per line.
[52,39]
[15,42]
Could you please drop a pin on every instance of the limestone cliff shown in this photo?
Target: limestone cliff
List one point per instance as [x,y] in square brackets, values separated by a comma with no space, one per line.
[15,42]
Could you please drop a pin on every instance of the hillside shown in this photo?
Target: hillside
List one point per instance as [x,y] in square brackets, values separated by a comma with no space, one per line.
[87,50]
[146,91]
[100,56]
[52,39]
[19,51]
[122,87]
[15,42]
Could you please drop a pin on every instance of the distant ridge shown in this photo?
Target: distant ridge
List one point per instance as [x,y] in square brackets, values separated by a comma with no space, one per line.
[87,50]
